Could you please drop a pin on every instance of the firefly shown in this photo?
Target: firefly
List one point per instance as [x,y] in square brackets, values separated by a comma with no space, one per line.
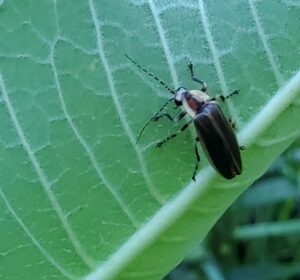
[214,131]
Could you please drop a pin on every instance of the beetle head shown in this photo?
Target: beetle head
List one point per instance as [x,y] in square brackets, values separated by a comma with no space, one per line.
[179,95]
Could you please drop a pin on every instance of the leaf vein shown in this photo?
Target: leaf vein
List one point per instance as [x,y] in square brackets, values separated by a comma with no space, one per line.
[164,43]
[77,134]
[103,59]
[167,52]
[42,177]
[35,242]
[262,35]
[216,60]
[89,152]
[182,203]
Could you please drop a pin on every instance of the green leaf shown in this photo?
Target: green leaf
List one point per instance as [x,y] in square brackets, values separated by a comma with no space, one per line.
[78,197]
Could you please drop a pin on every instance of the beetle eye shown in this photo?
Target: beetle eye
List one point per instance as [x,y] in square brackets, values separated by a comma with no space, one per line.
[178,103]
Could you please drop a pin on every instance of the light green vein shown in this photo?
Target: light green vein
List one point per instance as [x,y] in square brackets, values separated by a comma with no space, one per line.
[89,152]
[164,43]
[85,145]
[217,63]
[180,205]
[42,177]
[35,242]
[268,50]
[104,61]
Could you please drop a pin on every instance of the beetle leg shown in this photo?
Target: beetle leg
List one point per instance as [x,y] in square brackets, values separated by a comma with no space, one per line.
[191,68]
[180,116]
[159,144]
[222,97]
[159,116]
[197,160]
[153,118]
[235,92]
[232,123]
[177,118]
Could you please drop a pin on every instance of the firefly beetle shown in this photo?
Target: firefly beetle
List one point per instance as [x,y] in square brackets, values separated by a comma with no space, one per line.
[214,131]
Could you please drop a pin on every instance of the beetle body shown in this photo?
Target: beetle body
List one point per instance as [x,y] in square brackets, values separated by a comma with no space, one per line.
[214,131]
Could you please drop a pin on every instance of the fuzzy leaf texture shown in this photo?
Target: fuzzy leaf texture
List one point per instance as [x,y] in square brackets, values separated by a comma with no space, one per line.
[78,198]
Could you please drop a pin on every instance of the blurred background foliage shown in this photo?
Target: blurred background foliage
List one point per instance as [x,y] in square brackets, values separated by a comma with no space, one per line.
[258,237]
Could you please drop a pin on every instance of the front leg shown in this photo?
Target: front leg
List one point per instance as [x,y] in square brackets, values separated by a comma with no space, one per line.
[160,143]
[176,119]
[152,119]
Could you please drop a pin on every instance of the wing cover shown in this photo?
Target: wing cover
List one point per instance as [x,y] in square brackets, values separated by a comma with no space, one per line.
[218,140]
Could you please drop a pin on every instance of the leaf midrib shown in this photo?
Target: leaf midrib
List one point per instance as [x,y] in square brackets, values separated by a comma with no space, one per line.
[168,214]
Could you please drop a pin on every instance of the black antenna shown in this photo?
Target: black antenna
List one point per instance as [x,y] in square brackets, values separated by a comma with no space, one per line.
[151,75]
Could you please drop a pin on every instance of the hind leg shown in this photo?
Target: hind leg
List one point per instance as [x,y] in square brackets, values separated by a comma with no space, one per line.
[197,160]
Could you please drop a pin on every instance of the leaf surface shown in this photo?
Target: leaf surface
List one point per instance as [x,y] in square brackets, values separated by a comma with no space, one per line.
[78,197]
